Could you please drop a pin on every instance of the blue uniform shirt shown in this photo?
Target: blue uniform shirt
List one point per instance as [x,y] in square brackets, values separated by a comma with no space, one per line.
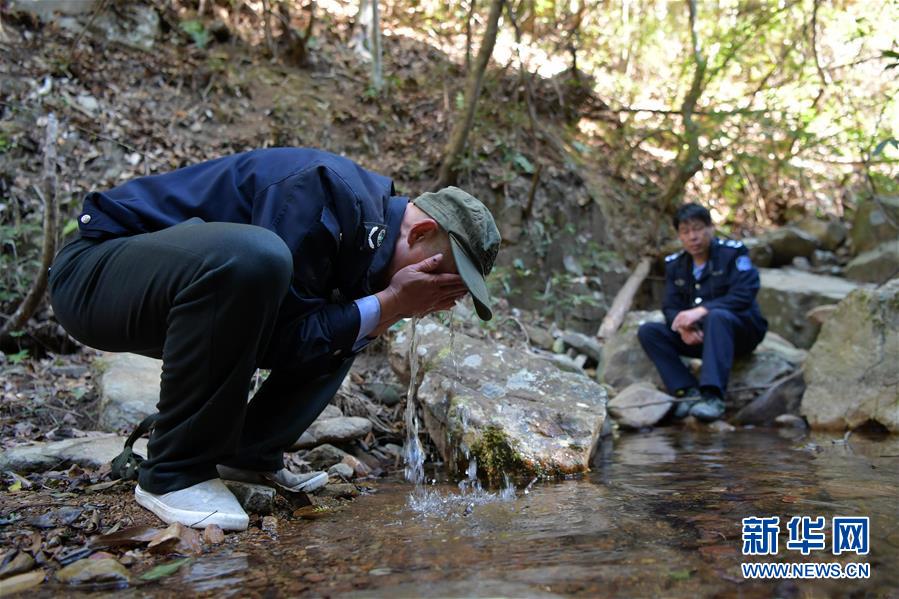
[728,281]
[340,222]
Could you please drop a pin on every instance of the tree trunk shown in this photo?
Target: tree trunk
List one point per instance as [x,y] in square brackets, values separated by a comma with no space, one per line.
[622,303]
[690,161]
[377,80]
[473,84]
[51,217]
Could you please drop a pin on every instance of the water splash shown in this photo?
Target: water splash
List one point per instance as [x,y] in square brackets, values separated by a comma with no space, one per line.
[413,452]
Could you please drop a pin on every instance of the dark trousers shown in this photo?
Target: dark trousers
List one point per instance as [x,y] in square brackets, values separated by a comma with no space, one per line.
[203,297]
[725,335]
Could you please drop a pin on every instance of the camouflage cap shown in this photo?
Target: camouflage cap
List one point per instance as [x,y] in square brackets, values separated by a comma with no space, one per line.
[473,235]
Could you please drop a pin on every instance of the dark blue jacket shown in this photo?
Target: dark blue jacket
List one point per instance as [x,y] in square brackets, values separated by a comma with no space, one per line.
[340,221]
[729,281]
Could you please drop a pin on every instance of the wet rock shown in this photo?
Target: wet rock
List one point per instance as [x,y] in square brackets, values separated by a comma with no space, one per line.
[254,499]
[851,371]
[875,222]
[341,470]
[339,491]
[719,426]
[584,344]
[790,421]
[94,571]
[787,294]
[639,405]
[22,582]
[828,233]
[87,452]
[781,398]
[324,456]
[623,360]
[129,389]
[388,394]
[787,243]
[876,265]
[213,534]
[333,430]
[510,409]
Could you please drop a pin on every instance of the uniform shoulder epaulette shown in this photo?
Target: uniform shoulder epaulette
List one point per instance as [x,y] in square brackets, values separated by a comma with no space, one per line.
[674,256]
[731,243]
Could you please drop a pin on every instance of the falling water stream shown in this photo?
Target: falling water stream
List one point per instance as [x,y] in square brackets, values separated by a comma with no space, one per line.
[432,502]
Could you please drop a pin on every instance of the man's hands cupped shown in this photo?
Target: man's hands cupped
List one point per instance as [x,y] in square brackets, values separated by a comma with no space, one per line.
[417,290]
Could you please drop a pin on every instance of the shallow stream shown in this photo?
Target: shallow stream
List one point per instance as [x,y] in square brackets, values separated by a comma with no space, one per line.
[659,515]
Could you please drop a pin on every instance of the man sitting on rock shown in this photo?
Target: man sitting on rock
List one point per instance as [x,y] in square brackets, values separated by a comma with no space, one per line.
[710,312]
[290,259]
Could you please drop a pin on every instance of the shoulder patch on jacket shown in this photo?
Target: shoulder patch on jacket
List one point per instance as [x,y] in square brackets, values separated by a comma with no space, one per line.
[731,243]
[744,263]
[674,256]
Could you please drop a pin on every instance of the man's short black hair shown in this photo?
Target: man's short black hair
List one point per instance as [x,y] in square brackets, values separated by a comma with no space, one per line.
[691,211]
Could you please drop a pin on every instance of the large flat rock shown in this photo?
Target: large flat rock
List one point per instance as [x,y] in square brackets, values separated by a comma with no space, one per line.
[852,371]
[87,452]
[787,294]
[515,412]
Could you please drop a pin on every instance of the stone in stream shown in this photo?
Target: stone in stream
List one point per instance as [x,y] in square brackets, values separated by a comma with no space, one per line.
[876,265]
[514,412]
[852,371]
[105,570]
[333,430]
[623,360]
[782,398]
[87,452]
[786,296]
[639,405]
[774,359]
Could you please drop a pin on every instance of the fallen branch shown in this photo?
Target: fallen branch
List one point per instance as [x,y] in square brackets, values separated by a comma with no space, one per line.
[623,300]
[51,216]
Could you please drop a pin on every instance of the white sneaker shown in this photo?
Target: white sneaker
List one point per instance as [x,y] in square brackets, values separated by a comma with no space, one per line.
[306,483]
[205,503]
